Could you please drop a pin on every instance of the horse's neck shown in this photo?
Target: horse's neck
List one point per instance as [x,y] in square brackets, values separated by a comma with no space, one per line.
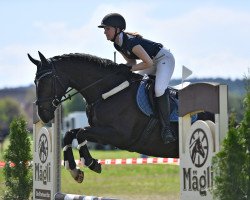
[90,81]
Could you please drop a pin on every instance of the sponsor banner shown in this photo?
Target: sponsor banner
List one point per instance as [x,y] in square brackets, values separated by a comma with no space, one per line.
[196,162]
[43,164]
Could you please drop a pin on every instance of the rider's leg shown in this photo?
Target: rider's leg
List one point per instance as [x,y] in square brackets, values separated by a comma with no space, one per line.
[165,67]
[164,112]
[164,71]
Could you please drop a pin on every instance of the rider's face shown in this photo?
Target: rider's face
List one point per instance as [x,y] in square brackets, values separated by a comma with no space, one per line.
[109,31]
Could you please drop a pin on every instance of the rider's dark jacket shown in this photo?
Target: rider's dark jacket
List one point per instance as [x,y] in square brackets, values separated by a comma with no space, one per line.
[129,41]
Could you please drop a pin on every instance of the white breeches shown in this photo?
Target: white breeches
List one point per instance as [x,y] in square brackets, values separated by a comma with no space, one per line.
[163,69]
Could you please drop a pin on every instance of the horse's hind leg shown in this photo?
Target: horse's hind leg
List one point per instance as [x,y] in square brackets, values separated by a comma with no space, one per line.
[85,156]
[69,160]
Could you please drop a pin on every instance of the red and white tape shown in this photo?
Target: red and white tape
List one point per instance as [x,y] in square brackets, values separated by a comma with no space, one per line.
[136,161]
[129,161]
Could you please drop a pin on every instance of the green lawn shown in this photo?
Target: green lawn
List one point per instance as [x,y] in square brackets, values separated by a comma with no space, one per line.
[126,181]
[122,181]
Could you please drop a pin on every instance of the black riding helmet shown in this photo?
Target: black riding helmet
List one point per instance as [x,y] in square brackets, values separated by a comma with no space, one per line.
[114,20]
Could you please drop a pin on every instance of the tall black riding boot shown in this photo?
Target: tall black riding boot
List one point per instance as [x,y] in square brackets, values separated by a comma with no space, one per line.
[163,106]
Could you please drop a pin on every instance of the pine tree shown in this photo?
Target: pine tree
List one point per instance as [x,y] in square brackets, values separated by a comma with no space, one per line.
[18,178]
[232,163]
[245,132]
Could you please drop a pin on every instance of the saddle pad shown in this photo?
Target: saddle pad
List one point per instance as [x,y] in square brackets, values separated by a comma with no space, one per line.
[174,116]
[144,105]
[142,99]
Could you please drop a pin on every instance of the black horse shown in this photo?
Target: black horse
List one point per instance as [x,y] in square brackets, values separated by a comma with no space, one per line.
[116,120]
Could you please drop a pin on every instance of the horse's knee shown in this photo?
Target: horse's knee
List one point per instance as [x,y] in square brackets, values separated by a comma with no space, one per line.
[69,137]
[81,139]
[80,136]
[85,156]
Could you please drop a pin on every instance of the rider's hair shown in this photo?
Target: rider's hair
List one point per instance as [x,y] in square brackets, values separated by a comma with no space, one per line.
[134,34]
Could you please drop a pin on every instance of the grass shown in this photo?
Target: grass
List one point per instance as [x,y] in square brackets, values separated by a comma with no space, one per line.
[121,181]
[126,181]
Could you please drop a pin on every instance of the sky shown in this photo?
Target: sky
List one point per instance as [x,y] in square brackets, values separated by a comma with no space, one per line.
[210,37]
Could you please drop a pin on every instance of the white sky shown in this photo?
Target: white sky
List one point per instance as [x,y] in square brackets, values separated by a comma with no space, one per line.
[212,38]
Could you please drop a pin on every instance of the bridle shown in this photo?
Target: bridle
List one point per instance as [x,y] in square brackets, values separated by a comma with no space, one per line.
[54,99]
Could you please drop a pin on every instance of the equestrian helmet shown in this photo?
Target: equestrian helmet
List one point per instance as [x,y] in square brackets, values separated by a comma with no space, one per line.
[115,20]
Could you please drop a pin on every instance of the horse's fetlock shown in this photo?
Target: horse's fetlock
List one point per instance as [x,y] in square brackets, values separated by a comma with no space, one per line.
[87,162]
[73,172]
[95,166]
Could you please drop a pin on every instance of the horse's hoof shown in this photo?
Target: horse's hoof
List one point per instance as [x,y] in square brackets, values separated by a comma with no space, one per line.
[95,166]
[77,174]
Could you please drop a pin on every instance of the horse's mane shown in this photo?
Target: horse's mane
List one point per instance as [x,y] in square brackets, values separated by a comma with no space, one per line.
[98,61]
[74,57]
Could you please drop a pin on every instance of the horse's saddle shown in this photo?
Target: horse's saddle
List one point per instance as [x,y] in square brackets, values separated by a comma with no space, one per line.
[146,100]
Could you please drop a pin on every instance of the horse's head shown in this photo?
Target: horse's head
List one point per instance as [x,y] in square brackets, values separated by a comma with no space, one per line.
[48,93]
[199,148]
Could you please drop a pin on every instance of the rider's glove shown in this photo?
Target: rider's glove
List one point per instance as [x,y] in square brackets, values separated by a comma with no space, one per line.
[125,69]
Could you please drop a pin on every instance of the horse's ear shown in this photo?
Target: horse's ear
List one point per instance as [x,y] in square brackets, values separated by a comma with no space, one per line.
[43,59]
[36,62]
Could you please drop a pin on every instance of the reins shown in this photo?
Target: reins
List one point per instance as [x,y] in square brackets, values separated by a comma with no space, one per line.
[85,88]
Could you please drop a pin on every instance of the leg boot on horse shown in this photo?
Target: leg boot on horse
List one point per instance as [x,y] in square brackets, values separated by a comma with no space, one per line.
[69,160]
[85,156]
[163,106]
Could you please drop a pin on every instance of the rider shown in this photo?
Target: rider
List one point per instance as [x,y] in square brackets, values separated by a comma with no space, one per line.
[156,60]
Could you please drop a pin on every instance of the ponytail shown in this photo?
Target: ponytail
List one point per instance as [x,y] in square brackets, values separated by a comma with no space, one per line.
[135,34]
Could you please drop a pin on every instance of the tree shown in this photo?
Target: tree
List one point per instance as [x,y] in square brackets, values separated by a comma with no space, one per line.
[232,163]
[234,106]
[9,109]
[18,178]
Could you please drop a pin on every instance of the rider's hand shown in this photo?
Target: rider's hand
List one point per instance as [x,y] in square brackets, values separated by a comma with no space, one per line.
[125,68]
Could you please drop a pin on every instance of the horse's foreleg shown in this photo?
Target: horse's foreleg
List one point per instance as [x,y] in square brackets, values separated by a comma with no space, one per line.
[103,135]
[86,158]
[69,160]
